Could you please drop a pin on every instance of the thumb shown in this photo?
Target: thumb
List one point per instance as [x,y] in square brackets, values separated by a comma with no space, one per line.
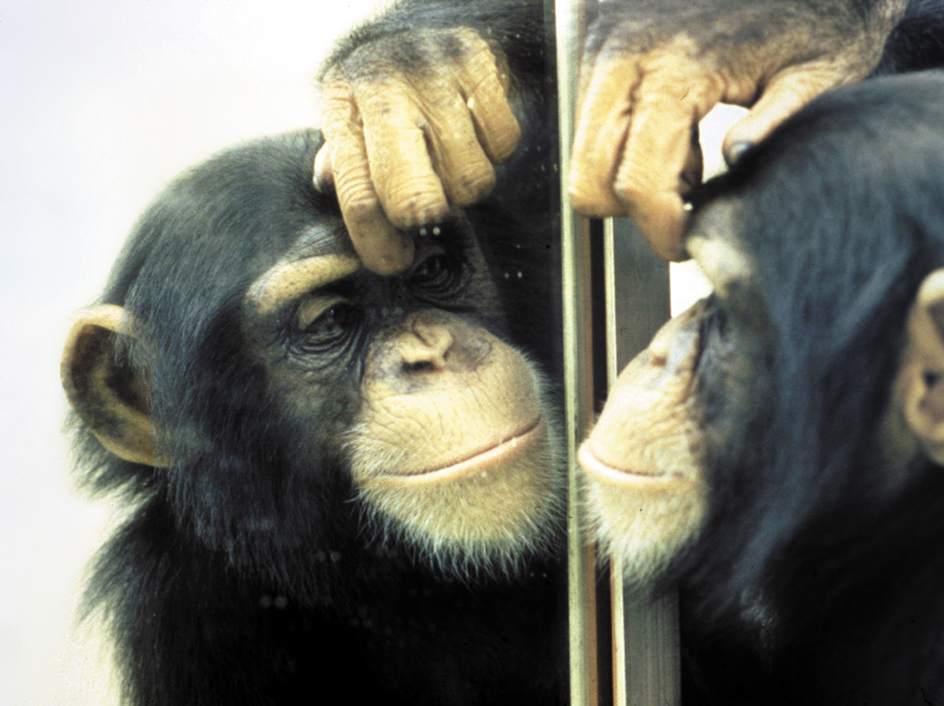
[789,91]
[323,176]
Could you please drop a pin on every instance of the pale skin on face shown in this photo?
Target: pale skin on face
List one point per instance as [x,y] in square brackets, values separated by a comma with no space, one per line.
[645,490]
[465,429]
[446,356]
[462,445]
[451,440]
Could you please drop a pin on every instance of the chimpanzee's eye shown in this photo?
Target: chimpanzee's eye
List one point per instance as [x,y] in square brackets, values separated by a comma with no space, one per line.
[716,320]
[326,320]
[713,332]
[438,275]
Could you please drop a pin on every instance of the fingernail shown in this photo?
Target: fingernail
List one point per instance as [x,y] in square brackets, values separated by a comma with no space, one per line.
[322,184]
[737,151]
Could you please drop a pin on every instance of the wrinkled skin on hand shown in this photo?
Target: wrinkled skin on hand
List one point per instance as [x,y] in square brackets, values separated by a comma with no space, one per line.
[653,68]
[413,124]
[415,120]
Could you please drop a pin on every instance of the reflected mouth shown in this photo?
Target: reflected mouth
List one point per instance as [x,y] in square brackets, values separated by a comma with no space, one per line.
[480,462]
[604,471]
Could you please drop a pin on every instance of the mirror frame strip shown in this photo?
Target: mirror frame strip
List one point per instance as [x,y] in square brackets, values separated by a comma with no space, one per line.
[646,660]
[578,380]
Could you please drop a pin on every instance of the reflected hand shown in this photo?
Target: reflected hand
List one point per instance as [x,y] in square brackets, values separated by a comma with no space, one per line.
[652,70]
[412,125]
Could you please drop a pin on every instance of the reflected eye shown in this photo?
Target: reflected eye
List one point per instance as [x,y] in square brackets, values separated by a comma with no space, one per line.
[716,321]
[326,319]
[715,341]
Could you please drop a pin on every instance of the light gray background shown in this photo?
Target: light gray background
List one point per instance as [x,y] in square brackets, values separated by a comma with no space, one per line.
[101,103]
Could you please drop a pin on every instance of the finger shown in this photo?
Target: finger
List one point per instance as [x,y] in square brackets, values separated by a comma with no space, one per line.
[660,160]
[457,155]
[323,177]
[485,87]
[399,161]
[466,172]
[693,170]
[381,248]
[602,124]
[786,93]
[662,220]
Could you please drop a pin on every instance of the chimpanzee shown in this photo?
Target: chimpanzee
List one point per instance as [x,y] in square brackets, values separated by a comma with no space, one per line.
[779,448]
[342,485]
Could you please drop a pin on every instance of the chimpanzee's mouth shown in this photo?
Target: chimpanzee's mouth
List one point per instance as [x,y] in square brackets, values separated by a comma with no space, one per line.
[604,471]
[482,461]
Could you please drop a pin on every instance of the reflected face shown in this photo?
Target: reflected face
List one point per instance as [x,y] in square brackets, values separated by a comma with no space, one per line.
[645,460]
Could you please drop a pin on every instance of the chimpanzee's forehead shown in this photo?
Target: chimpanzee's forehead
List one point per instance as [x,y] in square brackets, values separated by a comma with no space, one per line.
[323,254]
[320,255]
[330,238]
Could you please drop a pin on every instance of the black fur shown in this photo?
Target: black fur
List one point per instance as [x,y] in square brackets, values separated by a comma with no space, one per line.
[247,574]
[827,585]
[917,42]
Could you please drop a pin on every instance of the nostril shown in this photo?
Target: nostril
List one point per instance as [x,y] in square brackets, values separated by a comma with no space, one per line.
[421,366]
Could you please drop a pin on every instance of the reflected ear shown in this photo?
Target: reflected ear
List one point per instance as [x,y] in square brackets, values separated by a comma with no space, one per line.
[923,367]
[106,392]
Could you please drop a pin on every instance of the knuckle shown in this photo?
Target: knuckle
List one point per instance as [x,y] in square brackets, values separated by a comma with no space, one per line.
[391,99]
[473,186]
[482,73]
[467,49]
[470,37]
[415,202]
[335,95]
[359,203]
[591,201]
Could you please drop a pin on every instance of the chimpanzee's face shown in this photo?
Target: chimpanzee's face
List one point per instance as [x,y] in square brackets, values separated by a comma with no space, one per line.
[691,390]
[407,380]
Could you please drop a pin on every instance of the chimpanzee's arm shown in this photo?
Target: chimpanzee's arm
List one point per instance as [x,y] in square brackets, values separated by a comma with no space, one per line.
[415,109]
[653,68]
[416,112]
[514,27]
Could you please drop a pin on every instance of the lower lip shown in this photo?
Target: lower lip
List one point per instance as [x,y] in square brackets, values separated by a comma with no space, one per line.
[479,464]
[602,471]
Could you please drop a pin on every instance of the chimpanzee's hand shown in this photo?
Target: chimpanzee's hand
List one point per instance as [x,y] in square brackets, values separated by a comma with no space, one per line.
[653,68]
[413,124]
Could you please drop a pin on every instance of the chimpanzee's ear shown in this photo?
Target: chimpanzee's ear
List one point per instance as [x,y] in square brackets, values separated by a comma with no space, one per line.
[923,367]
[109,395]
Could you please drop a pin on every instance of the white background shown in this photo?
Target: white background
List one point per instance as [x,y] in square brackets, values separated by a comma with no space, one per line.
[101,103]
